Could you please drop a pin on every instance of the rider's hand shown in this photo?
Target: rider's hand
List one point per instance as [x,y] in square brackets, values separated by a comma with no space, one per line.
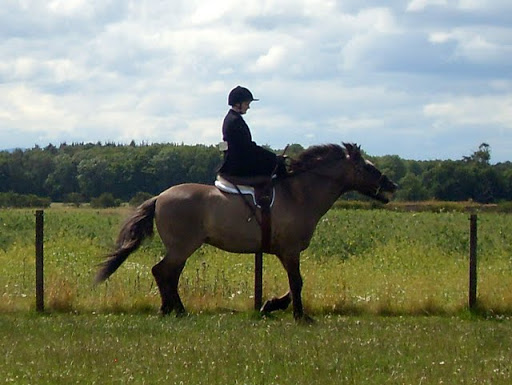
[281,164]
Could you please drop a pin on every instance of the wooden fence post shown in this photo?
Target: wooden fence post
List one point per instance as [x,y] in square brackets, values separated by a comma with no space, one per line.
[472,261]
[258,280]
[266,231]
[39,261]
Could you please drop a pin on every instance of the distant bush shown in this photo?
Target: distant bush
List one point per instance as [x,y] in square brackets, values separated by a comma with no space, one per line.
[10,199]
[426,206]
[105,200]
[75,199]
[357,205]
[139,198]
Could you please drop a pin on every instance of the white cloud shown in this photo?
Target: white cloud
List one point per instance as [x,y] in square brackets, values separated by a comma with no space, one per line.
[67,7]
[37,111]
[440,37]
[324,70]
[369,26]
[209,12]
[465,5]
[271,60]
[419,5]
[476,45]
[486,111]
[472,4]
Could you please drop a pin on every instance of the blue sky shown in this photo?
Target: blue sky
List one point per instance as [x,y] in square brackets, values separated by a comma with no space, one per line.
[422,79]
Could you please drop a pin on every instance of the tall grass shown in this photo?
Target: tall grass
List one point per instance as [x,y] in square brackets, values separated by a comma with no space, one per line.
[359,262]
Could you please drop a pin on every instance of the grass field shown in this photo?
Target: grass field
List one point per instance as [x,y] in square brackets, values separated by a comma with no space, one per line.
[225,348]
[360,262]
[362,267]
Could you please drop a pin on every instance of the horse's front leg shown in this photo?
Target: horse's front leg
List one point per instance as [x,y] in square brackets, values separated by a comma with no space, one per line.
[292,266]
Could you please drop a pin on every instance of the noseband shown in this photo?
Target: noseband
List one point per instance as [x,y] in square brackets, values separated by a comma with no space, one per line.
[379,187]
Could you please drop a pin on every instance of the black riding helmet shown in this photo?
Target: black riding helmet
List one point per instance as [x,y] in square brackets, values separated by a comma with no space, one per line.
[240,95]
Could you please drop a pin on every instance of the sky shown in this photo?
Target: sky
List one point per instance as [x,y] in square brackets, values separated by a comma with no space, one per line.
[421,79]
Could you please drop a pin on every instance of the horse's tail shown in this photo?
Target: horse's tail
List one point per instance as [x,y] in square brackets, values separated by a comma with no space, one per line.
[136,228]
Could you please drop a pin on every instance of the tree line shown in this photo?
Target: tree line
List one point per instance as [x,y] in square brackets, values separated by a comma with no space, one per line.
[81,172]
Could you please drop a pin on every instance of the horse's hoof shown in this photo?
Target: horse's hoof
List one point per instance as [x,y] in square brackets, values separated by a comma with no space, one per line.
[164,312]
[268,307]
[275,304]
[181,314]
[304,319]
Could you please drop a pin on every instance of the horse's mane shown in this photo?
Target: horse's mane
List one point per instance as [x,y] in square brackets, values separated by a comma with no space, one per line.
[316,156]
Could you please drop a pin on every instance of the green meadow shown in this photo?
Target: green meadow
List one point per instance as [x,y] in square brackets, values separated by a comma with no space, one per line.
[227,348]
[359,262]
[388,291]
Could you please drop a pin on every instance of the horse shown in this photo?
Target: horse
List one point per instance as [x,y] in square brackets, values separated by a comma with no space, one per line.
[189,215]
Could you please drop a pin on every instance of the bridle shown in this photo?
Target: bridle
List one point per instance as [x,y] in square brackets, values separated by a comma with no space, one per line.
[379,186]
[377,191]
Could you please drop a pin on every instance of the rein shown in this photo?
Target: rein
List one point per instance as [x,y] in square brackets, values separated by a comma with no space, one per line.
[315,172]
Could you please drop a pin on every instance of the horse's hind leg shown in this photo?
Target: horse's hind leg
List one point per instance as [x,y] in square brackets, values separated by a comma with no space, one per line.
[167,276]
[277,303]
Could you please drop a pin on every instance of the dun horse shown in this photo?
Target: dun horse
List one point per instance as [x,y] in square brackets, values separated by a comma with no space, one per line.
[189,215]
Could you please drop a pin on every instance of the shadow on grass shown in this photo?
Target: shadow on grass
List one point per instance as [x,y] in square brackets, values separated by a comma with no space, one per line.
[497,313]
[480,311]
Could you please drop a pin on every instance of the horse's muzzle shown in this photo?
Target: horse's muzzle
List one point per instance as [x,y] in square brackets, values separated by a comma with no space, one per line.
[386,189]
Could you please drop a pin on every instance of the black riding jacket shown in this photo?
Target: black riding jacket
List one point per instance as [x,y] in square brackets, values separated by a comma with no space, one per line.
[244,157]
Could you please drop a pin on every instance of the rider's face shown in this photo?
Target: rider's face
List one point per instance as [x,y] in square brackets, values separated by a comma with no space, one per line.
[244,106]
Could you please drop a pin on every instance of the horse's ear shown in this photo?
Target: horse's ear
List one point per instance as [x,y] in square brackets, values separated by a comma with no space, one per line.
[353,151]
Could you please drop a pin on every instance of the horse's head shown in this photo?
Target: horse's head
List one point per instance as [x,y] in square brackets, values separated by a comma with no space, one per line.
[368,179]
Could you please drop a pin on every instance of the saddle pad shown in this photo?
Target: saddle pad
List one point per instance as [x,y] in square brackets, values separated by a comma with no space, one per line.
[228,187]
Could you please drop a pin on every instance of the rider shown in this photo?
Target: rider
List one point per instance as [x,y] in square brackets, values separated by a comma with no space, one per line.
[243,157]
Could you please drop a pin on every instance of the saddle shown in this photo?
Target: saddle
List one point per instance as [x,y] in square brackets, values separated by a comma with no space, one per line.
[261,188]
